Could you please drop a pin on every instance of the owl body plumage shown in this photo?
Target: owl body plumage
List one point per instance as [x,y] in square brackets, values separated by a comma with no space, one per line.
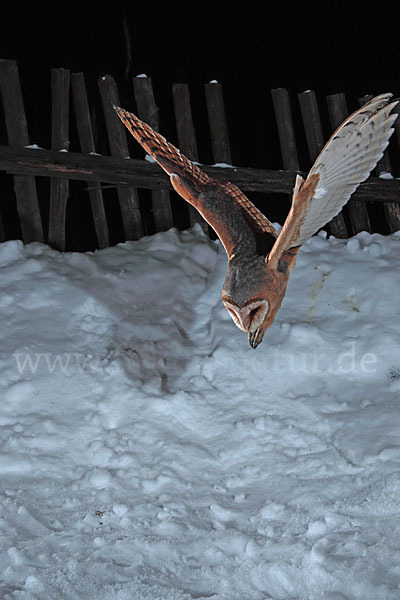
[259,260]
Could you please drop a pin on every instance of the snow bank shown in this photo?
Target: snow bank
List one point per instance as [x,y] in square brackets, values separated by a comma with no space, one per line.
[148,452]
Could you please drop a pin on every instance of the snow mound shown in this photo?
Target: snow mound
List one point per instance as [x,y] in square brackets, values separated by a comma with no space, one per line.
[148,452]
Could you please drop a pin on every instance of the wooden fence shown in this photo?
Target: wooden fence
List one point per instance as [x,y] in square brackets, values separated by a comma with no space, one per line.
[128,175]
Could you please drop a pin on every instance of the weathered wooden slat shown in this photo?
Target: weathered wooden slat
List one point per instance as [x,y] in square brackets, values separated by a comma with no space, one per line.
[142,174]
[128,198]
[283,115]
[392,211]
[287,139]
[59,187]
[315,142]
[357,211]
[284,121]
[312,123]
[148,112]
[186,137]
[184,121]
[17,130]
[218,123]
[337,109]
[85,133]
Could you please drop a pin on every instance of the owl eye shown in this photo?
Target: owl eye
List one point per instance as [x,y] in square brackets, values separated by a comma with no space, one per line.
[257,313]
[254,312]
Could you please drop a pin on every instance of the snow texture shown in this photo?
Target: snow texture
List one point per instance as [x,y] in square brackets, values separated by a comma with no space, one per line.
[147,452]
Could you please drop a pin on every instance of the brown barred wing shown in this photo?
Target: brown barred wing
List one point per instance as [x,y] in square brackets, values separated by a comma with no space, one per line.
[164,153]
[235,219]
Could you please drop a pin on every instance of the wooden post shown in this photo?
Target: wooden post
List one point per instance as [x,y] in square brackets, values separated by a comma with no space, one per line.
[59,188]
[315,143]
[218,124]
[186,138]
[284,121]
[17,130]
[283,115]
[128,198]
[312,123]
[357,211]
[148,112]
[85,133]
[392,213]
[391,210]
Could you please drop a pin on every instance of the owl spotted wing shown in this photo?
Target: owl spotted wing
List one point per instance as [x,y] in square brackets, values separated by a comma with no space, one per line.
[345,161]
[230,213]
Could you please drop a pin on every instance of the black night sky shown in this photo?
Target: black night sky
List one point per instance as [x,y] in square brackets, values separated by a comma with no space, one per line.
[249,47]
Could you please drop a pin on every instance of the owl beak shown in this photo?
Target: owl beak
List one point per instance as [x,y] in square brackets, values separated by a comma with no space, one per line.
[256,337]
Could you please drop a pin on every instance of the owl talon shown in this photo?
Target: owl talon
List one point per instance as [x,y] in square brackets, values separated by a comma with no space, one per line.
[256,337]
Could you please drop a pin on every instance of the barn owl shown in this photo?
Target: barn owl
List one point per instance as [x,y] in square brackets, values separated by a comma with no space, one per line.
[259,260]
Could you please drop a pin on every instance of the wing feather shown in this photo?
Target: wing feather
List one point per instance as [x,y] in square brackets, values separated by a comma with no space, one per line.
[346,160]
[229,212]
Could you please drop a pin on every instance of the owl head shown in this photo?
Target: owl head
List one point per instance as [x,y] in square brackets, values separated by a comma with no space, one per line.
[253,292]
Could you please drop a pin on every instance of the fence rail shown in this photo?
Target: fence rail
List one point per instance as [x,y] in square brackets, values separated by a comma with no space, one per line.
[129,175]
[143,174]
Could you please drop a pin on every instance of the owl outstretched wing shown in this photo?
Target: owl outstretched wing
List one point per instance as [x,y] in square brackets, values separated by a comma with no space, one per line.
[237,222]
[345,161]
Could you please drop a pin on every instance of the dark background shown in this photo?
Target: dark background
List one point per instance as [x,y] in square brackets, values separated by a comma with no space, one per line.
[249,47]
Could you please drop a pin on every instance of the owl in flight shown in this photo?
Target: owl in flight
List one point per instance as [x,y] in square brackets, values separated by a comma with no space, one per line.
[259,260]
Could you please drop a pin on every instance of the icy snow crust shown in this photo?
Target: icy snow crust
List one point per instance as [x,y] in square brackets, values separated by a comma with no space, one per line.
[166,459]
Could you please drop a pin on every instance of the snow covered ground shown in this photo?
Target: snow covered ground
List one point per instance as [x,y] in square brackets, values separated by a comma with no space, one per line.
[147,452]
